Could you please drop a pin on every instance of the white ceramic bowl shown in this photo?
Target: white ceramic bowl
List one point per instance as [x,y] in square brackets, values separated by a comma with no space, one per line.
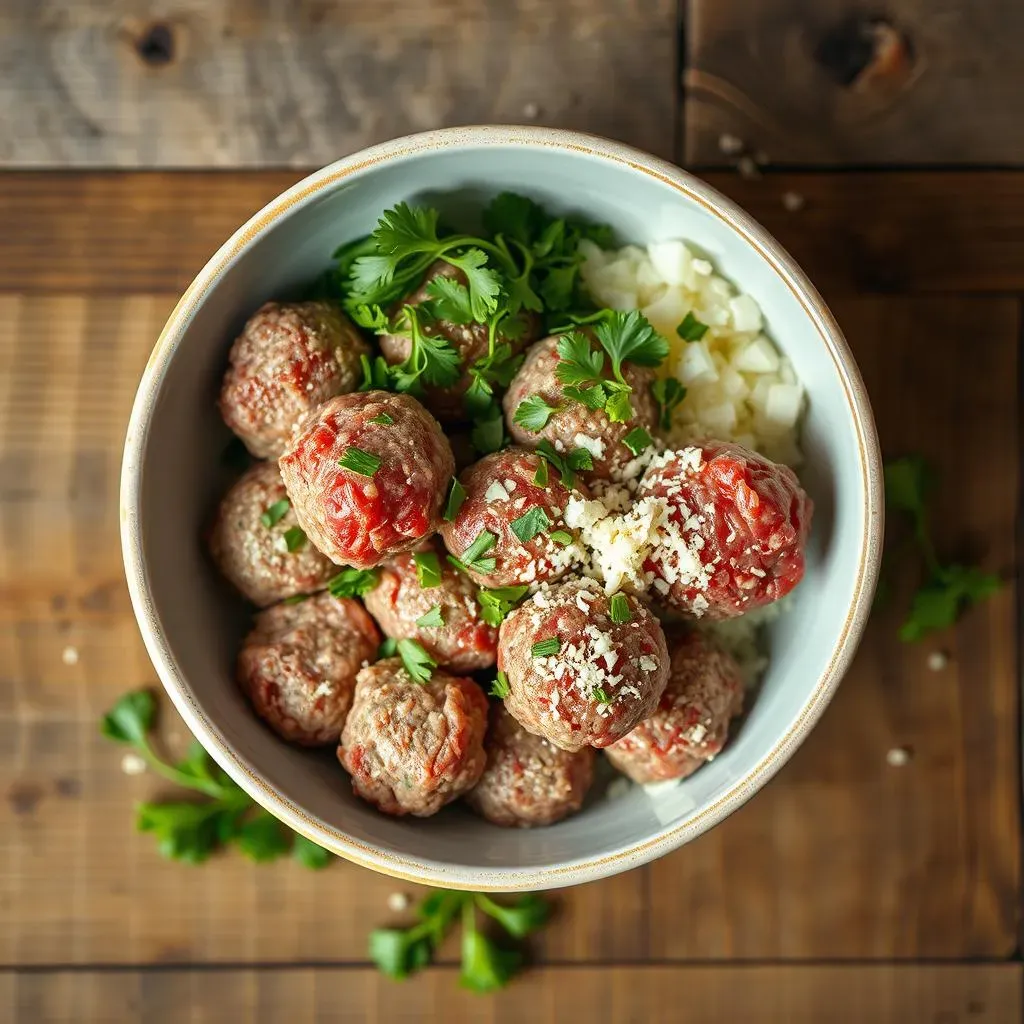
[172,477]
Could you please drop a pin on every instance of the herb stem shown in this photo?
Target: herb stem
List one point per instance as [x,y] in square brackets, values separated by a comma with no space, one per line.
[171,774]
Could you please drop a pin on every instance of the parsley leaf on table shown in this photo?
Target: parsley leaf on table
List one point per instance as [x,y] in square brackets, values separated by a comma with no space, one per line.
[191,830]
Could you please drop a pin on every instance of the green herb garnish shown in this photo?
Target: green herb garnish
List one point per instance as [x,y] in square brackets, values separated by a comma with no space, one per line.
[472,556]
[668,393]
[528,525]
[545,648]
[691,329]
[948,590]
[294,539]
[500,687]
[418,664]
[567,465]
[637,440]
[433,619]
[456,496]
[428,569]
[496,602]
[618,608]
[275,513]
[352,582]
[388,648]
[358,461]
[383,419]
[601,695]
[540,478]
[190,831]
[562,537]
[533,413]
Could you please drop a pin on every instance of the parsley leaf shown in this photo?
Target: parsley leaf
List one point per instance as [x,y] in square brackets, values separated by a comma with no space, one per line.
[545,648]
[309,854]
[275,513]
[130,719]
[388,647]
[568,464]
[449,300]
[497,602]
[629,337]
[619,610]
[456,496]
[262,837]
[418,664]
[528,914]
[531,523]
[294,539]
[533,413]
[579,365]
[500,687]
[601,695]
[486,967]
[352,582]
[432,619]
[637,440]
[428,569]
[488,434]
[514,216]
[383,420]
[540,478]
[358,461]
[668,393]
[562,537]
[483,283]
[618,407]
[691,329]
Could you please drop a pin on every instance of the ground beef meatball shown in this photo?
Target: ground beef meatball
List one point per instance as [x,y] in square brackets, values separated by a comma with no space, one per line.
[735,530]
[573,425]
[288,359]
[298,665]
[575,676]
[691,723]
[469,340]
[253,556]
[442,613]
[413,747]
[528,781]
[504,499]
[367,475]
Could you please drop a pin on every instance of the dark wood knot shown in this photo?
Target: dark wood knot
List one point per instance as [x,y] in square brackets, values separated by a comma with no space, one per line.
[155,46]
[861,52]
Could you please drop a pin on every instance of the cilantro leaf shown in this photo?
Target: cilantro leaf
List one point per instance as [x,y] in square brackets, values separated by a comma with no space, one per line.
[449,300]
[433,619]
[353,582]
[533,413]
[418,664]
[593,397]
[483,283]
[376,373]
[309,854]
[668,393]
[618,408]
[184,831]
[629,337]
[514,216]
[556,290]
[388,647]
[495,603]
[528,914]
[568,464]
[941,601]
[531,523]
[691,329]
[428,569]
[262,838]
[406,231]
[396,955]
[500,687]
[358,461]
[579,365]
[486,967]
[441,363]
[638,440]
[909,483]
[540,478]
[130,719]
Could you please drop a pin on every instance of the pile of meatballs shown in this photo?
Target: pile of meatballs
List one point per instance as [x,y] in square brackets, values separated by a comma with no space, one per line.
[580,670]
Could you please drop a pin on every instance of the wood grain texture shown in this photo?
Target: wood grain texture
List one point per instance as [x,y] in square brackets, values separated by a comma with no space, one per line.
[843,855]
[838,82]
[123,233]
[981,994]
[249,84]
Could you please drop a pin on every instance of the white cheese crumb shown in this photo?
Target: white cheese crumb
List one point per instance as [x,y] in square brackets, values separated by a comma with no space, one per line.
[495,492]
[69,656]
[594,445]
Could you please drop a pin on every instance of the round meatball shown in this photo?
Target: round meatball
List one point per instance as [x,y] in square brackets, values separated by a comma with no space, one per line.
[413,747]
[470,341]
[367,475]
[504,499]
[691,723]
[576,677]
[442,614]
[288,359]
[528,781]
[572,425]
[298,666]
[253,556]
[735,531]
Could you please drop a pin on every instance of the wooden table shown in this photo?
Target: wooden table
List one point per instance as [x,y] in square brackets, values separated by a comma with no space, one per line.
[850,889]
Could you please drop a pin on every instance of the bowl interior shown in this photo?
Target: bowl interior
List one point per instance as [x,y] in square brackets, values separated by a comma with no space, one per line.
[200,624]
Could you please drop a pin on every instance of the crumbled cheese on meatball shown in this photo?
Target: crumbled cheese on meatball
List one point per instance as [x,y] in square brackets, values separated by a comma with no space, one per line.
[594,445]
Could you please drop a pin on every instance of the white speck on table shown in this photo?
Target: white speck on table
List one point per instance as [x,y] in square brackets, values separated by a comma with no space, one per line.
[398,901]
[938,660]
[69,656]
[132,764]
[898,757]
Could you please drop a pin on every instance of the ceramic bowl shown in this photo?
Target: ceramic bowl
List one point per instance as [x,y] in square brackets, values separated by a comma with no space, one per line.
[172,477]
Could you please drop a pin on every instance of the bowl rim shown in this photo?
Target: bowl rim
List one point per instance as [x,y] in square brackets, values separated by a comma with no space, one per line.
[407,866]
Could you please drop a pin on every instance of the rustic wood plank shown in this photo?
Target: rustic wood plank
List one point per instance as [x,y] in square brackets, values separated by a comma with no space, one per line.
[856,232]
[246,84]
[836,82]
[982,994]
[843,855]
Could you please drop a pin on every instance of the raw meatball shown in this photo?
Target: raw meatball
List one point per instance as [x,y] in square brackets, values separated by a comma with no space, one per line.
[573,425]
[464,642]
[469,340]
[391,500]
[690,726]
[254,557]
[735,531]
[288,359]
[502,497]
[528,781]
[411,748]
[603,680]
[298,666]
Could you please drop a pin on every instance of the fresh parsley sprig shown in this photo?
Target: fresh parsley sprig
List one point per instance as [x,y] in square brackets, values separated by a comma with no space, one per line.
[948,590]
[190,831]
[487,965]
[496,602]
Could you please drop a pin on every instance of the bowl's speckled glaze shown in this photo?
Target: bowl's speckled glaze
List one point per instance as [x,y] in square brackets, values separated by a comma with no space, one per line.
[172,478]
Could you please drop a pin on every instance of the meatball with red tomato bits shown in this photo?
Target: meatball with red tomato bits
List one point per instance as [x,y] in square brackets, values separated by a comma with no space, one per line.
[583,669]
[572,424]
[257,544]
[691,723]
[367,475]
[298,666]
[528,781]
[733,539]
[470,340]
[509,528]
[288,359]
[413,747]
[419,596]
